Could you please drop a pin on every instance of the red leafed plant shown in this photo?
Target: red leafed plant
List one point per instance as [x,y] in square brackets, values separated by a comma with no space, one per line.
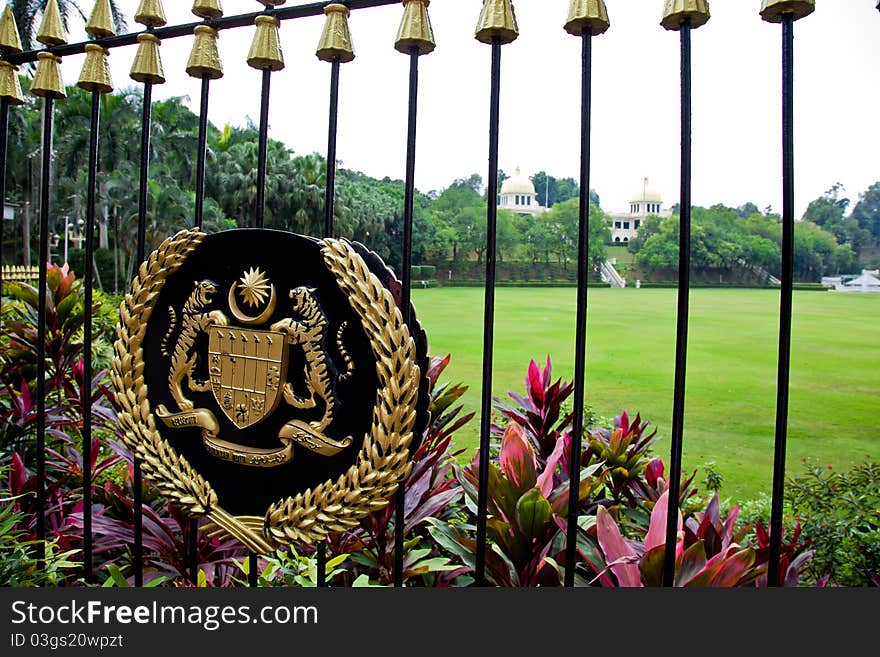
[707,557]
[540,412]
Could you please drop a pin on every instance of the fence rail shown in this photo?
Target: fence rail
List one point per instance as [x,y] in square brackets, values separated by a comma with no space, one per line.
[496,27]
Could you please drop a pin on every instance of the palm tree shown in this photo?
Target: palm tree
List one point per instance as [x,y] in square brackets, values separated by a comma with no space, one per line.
[29,13]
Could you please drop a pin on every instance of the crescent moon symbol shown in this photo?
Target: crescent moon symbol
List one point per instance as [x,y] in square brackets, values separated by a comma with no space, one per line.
[262,318]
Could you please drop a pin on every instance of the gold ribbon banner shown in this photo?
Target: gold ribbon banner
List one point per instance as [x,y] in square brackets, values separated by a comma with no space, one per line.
[224,450]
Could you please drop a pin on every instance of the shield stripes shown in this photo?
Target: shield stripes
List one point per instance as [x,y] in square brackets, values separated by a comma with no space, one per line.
[247,369]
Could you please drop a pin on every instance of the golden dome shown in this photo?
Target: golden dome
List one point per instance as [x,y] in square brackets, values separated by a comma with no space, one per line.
[646,195]
[518,184]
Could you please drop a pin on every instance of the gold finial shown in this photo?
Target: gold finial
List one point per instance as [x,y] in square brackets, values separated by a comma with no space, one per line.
[95,74]
[204,60]
[497,21]
[147,66]
[100,23]
[271,3]
[47,80]
[10,42]
[587,16]
[265,51]
[10,87]
[335,40]
[51,32]
[772,11]
[150,13]
[207,9]
[415,28]
[676,12]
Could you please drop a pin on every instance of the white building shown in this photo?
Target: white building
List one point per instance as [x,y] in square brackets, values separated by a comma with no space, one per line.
[518,195]
[625,225]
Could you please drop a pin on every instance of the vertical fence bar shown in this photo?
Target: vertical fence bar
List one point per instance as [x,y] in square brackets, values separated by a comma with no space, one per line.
[88,275]
[330,192]
[147,69]
[415,37]
[496,27]
[406,292]
[204,64]
[779,11]
[95,78]
[202,154]
[488,317]
[684,285]
[265,55]
[45,195]
[138,476]
[263,149]
[253,569]
[336,48]
[48,85]
[785,302]
[584,20]
[329,210]
[681,17]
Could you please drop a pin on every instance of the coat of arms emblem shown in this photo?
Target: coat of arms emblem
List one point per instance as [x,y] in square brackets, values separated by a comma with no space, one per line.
[257,371]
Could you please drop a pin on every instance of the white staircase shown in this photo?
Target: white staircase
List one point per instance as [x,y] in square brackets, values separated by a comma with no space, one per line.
[611,276]
[760,271]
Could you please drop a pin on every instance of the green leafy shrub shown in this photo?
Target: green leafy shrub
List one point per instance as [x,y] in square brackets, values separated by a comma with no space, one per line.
[840,516]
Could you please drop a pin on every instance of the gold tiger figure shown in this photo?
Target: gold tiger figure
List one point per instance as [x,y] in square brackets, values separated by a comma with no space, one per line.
[193,320]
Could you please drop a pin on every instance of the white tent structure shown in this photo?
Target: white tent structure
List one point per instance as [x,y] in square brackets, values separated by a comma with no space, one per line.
[867,282]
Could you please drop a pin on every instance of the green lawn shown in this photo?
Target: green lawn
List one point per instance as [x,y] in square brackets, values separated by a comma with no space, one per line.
[731,382]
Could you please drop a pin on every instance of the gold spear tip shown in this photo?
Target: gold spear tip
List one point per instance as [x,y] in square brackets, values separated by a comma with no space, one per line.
[335,40]
[265,53]
[100,23]
[95,76]
[47,80]
[150,13]
[497,22]
[676,12]
[204,60]
[587,17]
[147,65]
[52,32]
[415,29]
[773,11]
[10,42]
[271,3]
[10,87]
[207,9]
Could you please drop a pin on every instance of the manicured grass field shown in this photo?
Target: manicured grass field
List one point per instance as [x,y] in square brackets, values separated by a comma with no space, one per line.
[731,382]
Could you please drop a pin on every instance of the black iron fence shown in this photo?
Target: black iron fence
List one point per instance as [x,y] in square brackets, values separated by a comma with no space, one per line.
[496,27]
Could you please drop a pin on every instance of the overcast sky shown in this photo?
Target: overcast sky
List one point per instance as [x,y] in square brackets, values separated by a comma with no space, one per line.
[635,97]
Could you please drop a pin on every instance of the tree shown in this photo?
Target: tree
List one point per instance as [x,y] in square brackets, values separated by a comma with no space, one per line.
[453,213]
[562,229]
[829,212]
[746,210]
[559,190]
[866,213]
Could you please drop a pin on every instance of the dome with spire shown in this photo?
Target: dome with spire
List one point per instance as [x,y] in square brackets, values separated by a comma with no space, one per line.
[646,195]
[518,184]
[518,195]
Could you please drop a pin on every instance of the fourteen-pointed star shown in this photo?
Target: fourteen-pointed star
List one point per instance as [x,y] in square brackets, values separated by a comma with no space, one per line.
[254,287]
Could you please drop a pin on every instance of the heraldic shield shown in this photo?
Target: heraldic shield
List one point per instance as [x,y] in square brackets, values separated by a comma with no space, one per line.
[246,371]
[270,381]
